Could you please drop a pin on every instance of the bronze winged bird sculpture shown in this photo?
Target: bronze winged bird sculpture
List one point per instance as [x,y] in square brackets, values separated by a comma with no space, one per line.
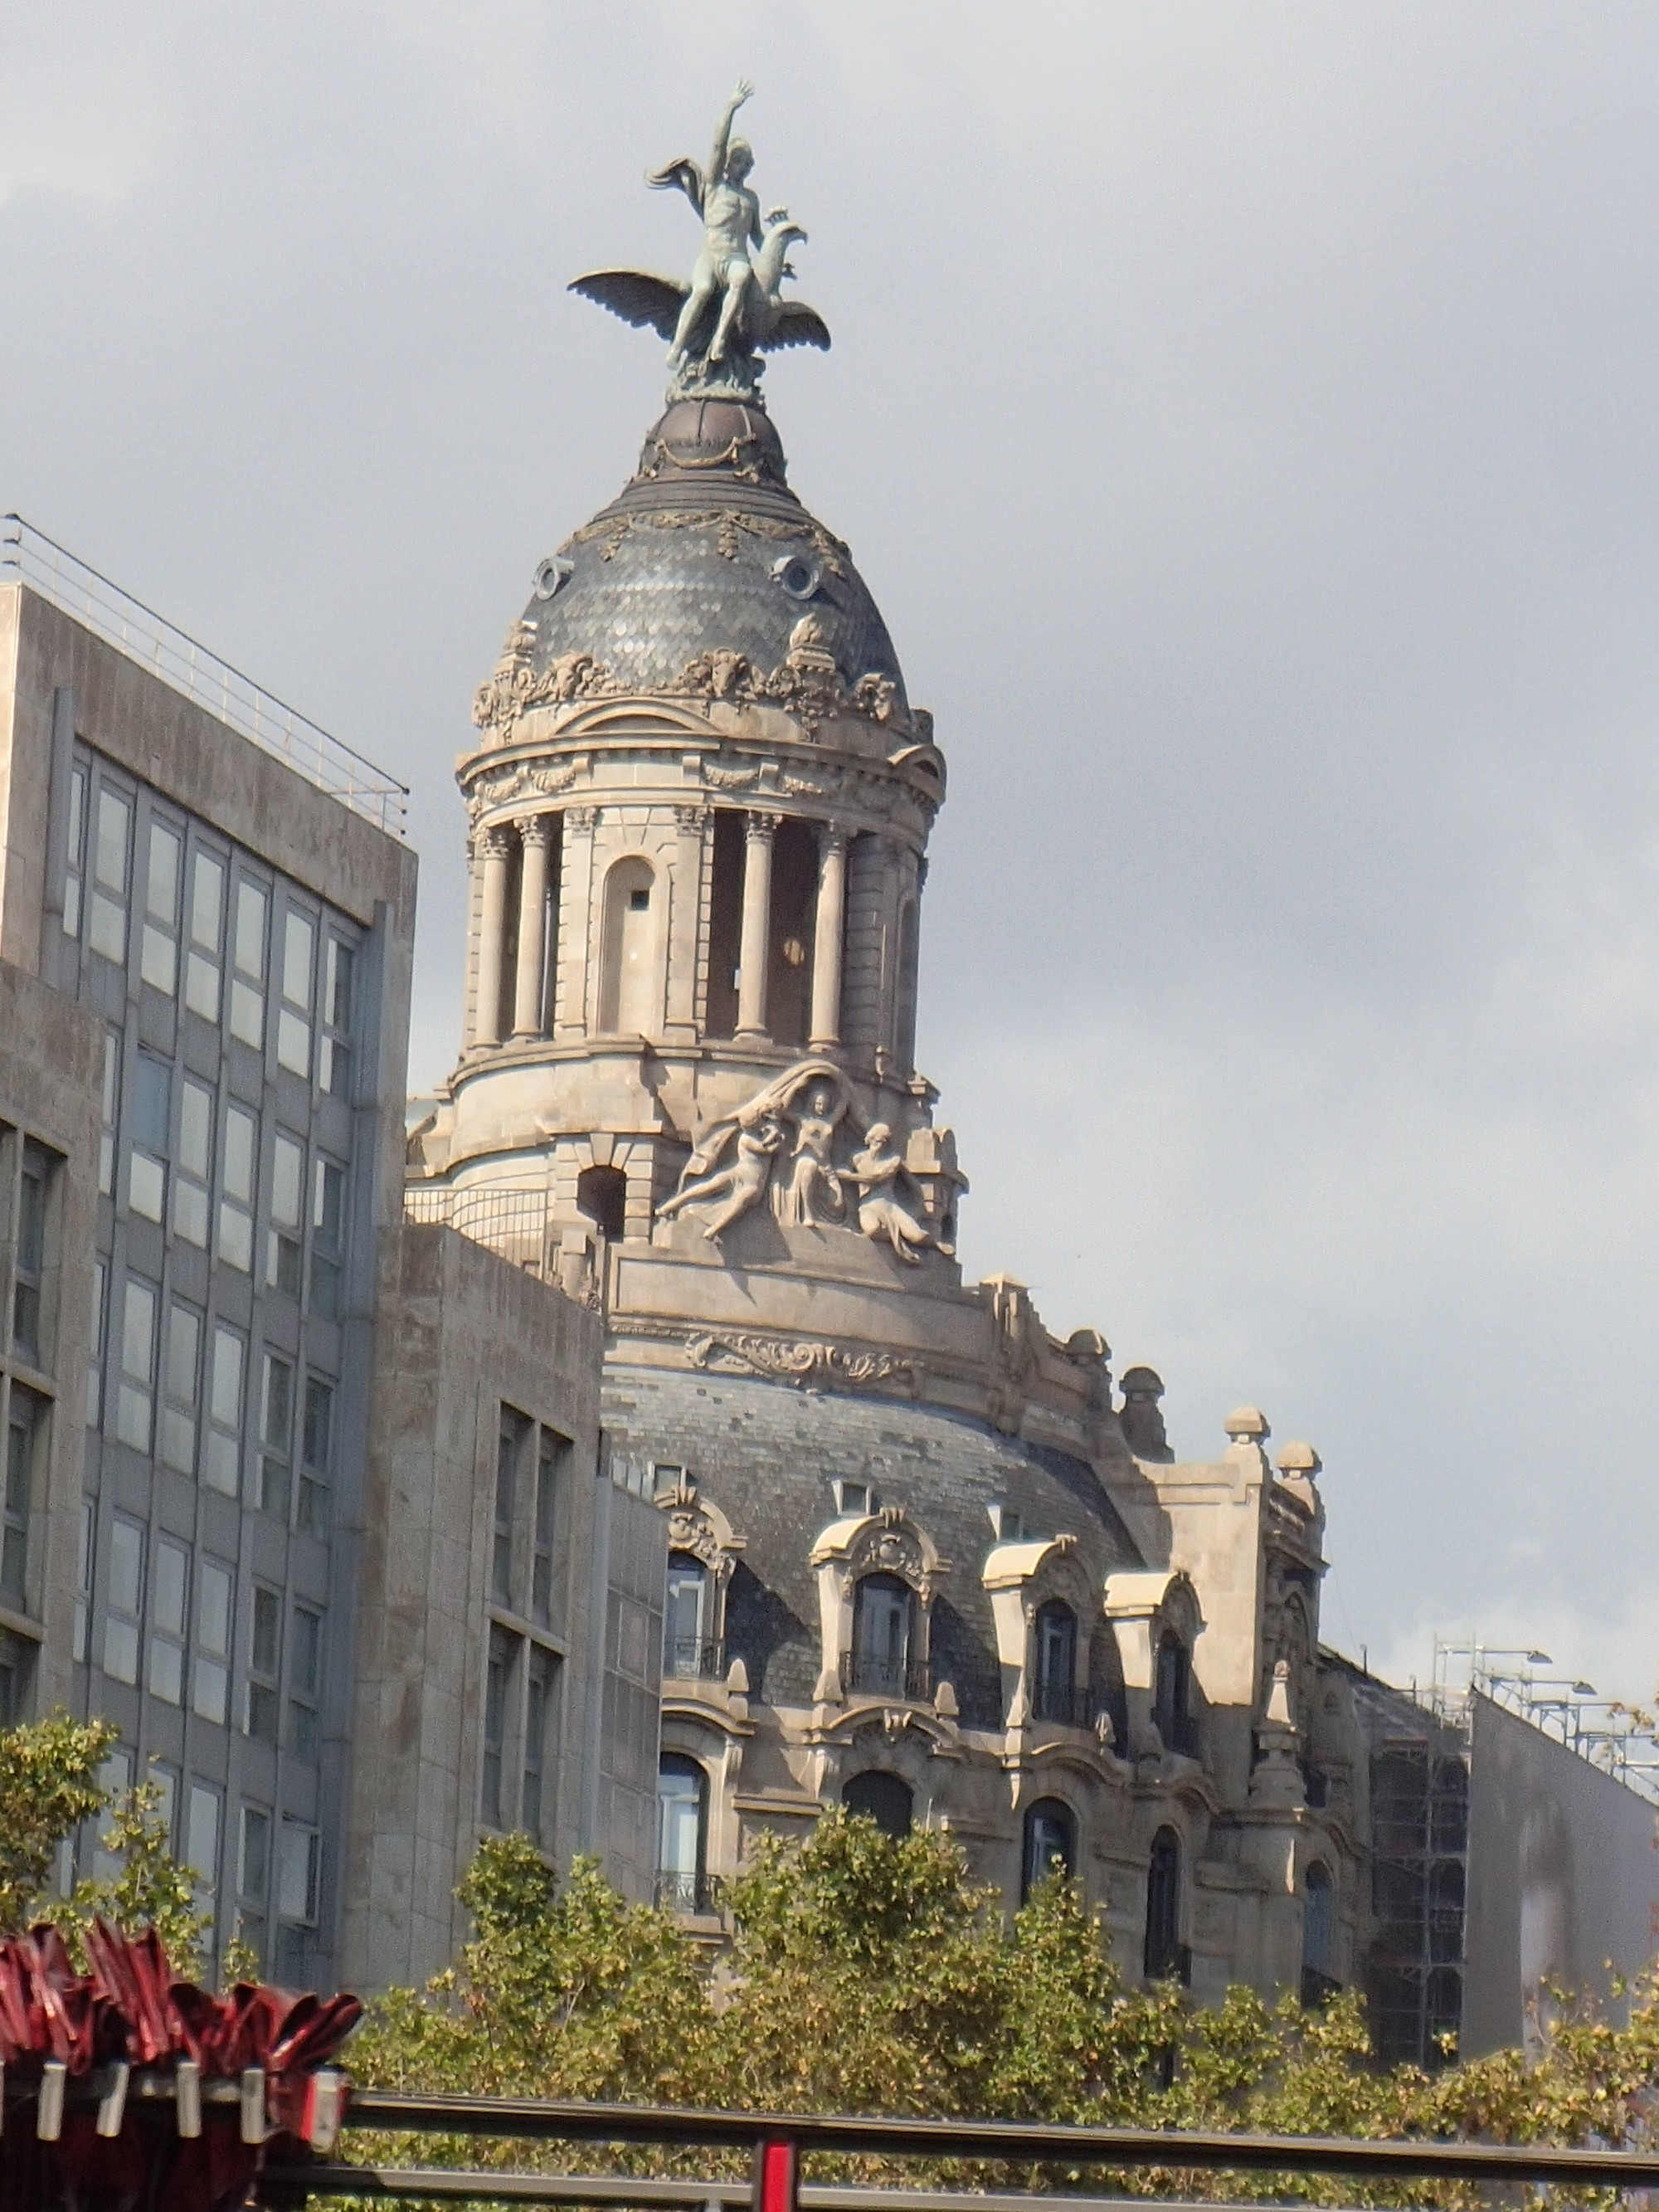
[732,307]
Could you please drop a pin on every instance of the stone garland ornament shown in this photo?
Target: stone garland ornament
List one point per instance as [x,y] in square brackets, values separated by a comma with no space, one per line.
[730,526]
[808,1364]
[734,308]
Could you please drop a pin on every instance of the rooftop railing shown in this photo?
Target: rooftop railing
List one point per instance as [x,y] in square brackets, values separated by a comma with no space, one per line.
[511,1223]
[30,556]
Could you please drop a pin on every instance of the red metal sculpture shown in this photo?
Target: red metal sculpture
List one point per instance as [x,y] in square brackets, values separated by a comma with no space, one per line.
[122,2089]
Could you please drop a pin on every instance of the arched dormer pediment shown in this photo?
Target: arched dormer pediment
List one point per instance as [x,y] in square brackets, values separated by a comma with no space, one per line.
[1145,1609]
[888,1542]
[697,1525]
[884,1549]
[1024,1581]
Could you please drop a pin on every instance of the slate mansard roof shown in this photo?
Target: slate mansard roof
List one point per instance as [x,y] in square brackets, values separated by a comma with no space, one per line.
[705,549]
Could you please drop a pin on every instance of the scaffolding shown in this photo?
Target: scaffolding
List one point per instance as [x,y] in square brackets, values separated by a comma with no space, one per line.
[1419,1800]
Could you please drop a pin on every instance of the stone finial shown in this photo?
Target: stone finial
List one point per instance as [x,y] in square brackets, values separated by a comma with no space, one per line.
[1140,1417]
[1279,1698]
[1246,1425]
[1300,1459]
[944,1701]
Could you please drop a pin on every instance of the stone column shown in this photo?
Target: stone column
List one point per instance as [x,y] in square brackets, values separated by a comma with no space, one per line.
[692,826]
[492,930]
[535,834]
[827,938]
[756,946]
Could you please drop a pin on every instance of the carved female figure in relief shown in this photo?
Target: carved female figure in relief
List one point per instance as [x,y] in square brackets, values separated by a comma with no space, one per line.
[815,1198]
[878,1171]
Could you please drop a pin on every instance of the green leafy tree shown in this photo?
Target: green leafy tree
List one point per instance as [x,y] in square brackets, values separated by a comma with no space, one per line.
[48,1785]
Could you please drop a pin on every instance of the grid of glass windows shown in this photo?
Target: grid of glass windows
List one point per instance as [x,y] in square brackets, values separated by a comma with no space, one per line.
[158,960]
[181,1367]
[29,1253]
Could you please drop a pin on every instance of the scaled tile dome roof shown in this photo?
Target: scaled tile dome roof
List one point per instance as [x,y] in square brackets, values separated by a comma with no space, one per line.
[706,550]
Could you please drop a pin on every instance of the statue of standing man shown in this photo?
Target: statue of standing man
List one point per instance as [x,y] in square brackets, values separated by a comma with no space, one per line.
[731,223]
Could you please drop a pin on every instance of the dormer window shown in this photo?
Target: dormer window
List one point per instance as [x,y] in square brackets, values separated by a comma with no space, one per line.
[880,1663]
[1007,1526]
[1055,1640]
[689,1651]
[853,1499]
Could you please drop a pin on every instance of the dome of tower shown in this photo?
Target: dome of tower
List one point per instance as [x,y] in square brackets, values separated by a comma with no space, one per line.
[705,550]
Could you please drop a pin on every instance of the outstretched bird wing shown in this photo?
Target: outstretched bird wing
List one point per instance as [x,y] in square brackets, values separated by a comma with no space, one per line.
[797,325]
[638,298]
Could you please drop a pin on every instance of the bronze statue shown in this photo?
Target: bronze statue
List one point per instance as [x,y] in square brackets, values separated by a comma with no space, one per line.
[712,348]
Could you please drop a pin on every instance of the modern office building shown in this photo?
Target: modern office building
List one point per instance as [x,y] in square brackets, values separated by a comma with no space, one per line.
[206,915]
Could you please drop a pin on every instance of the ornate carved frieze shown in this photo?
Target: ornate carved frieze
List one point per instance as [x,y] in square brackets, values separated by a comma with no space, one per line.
[807,682]
[519,780]
[810,1364]
[514,685]
[730,528]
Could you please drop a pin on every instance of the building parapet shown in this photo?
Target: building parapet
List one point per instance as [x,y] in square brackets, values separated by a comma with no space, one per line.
[27,555]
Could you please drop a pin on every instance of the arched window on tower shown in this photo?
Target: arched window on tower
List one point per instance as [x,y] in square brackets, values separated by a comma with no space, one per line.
[602,1196]
[1054,1635]
[1050,1844]
[682,1834]
[884,1798]
[883,1662]
[630,995]
[1166,1955]
[1172,1702]
[1318,1934]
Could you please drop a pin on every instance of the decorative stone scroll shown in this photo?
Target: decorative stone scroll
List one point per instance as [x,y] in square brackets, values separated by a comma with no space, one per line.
[807,682]
[810,1366]
[515,686]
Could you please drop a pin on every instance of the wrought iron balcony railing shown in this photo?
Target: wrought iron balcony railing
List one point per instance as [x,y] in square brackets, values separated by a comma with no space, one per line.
[863,1674]
[1063,1703]
[684,1659]
[685,1893]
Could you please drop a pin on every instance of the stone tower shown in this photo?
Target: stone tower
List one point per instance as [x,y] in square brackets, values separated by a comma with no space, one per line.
[921,1564]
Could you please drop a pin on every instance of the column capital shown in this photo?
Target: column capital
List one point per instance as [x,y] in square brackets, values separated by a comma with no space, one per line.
[498,841]
[581,818]
[835,837]
[761,828]
[694,820]
[534,828]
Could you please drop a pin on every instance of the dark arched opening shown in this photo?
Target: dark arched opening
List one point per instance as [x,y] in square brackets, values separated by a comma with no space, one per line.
[1172,1707]
[1050,1844]
[1166,1955]
[882,1798]
[682,1834]
[602,1196]
[1054,1637]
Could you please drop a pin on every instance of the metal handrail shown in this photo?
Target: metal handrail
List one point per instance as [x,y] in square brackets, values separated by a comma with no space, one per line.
[1040,2143]
[215,685]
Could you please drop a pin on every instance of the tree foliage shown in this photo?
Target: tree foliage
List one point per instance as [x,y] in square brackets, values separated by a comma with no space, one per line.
[49,1785]
[869,1974]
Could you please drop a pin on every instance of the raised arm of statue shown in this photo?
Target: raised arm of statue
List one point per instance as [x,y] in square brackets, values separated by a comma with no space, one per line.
[723,129]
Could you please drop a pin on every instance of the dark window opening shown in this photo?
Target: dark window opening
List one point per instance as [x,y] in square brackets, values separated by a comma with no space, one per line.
[904,1018]
[1166,1955]
[602,1196]
[882,1662]
[1054,1636]
[1172,1702]
[1050,1844]
[681,1834]
[882,1798]
[690,1651]
[725,923]
[794,914]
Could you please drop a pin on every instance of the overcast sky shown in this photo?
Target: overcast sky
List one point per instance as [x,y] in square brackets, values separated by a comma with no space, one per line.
[1244,416]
